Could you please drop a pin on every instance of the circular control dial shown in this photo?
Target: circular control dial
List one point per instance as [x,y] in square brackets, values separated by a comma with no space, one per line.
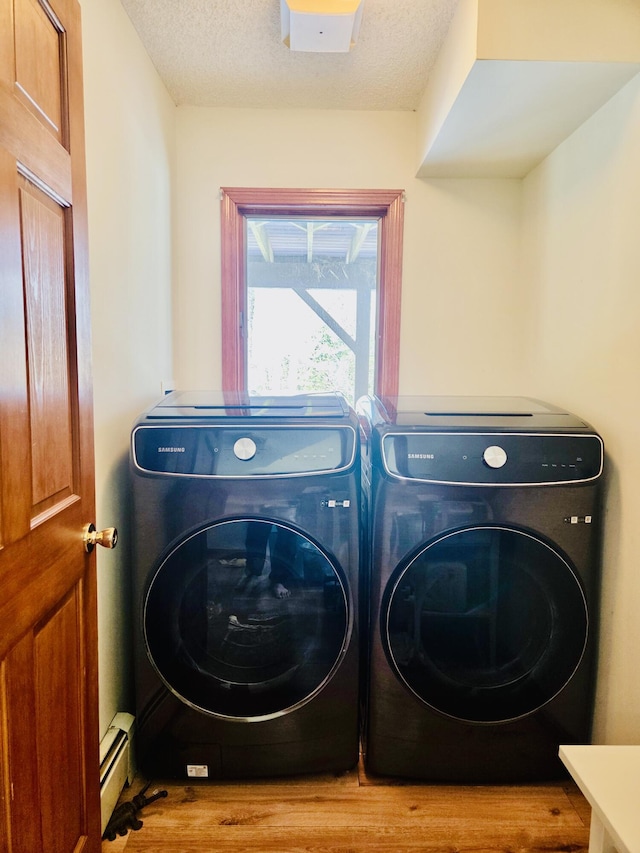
[245,448]
[495,456]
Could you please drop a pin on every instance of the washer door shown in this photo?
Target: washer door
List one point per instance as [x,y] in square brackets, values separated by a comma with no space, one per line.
[246,619]
[485,624]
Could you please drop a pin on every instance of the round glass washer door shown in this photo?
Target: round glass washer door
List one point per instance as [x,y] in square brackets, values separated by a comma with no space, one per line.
[246,619]
[485,624]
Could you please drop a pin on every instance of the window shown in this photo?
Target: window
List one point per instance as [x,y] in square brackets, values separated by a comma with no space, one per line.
[311,300]
[358,325]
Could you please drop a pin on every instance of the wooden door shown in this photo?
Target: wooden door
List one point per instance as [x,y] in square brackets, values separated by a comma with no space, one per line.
[49,790]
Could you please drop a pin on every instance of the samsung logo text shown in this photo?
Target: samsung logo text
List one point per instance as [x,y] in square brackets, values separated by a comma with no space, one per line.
[171,450]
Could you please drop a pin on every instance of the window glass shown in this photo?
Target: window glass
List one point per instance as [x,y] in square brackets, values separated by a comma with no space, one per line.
[311,301]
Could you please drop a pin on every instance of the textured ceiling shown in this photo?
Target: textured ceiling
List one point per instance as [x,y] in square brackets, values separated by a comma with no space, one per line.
[228,53]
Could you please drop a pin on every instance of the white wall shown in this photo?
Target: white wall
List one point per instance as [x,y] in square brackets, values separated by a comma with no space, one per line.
[461,327]
[129,121]
[460,248]
[581,267]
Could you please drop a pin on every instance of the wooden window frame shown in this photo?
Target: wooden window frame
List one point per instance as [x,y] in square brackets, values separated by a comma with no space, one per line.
[387,205]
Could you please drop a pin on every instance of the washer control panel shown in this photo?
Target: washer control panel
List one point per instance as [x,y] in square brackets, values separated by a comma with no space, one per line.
[237,451]
[492,458]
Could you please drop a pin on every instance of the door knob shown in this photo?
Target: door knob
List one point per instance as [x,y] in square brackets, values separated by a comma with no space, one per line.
[91,537]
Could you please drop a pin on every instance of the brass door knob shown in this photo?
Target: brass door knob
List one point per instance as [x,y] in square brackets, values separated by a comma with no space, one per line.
[91,537]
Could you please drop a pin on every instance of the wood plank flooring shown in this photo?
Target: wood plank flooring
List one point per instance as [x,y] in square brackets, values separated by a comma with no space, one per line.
[353,813]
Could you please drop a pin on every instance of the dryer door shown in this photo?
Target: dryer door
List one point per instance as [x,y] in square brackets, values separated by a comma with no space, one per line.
[246,619]
[485,624]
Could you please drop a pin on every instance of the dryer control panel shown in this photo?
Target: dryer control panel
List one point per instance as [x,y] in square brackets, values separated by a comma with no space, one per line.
[504,459]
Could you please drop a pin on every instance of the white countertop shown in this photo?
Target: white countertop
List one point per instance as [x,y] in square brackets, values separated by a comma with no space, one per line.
[609,777]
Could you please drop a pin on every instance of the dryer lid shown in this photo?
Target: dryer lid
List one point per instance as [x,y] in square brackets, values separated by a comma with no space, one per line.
[474,412]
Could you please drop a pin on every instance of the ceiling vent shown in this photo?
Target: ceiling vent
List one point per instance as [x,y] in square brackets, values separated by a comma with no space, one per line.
[320,26]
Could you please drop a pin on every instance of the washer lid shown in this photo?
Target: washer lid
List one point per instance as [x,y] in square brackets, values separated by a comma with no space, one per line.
[231,404]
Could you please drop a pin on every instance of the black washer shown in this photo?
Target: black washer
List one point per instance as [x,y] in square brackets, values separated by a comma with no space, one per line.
[246,570]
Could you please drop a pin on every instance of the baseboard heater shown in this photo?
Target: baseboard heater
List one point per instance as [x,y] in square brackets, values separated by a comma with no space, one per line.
[116,763]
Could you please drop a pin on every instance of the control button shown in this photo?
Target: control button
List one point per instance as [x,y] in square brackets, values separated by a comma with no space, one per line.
[245,448]
[494,456]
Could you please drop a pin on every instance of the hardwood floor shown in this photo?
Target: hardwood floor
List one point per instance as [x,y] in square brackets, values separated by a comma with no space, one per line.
[353,813]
